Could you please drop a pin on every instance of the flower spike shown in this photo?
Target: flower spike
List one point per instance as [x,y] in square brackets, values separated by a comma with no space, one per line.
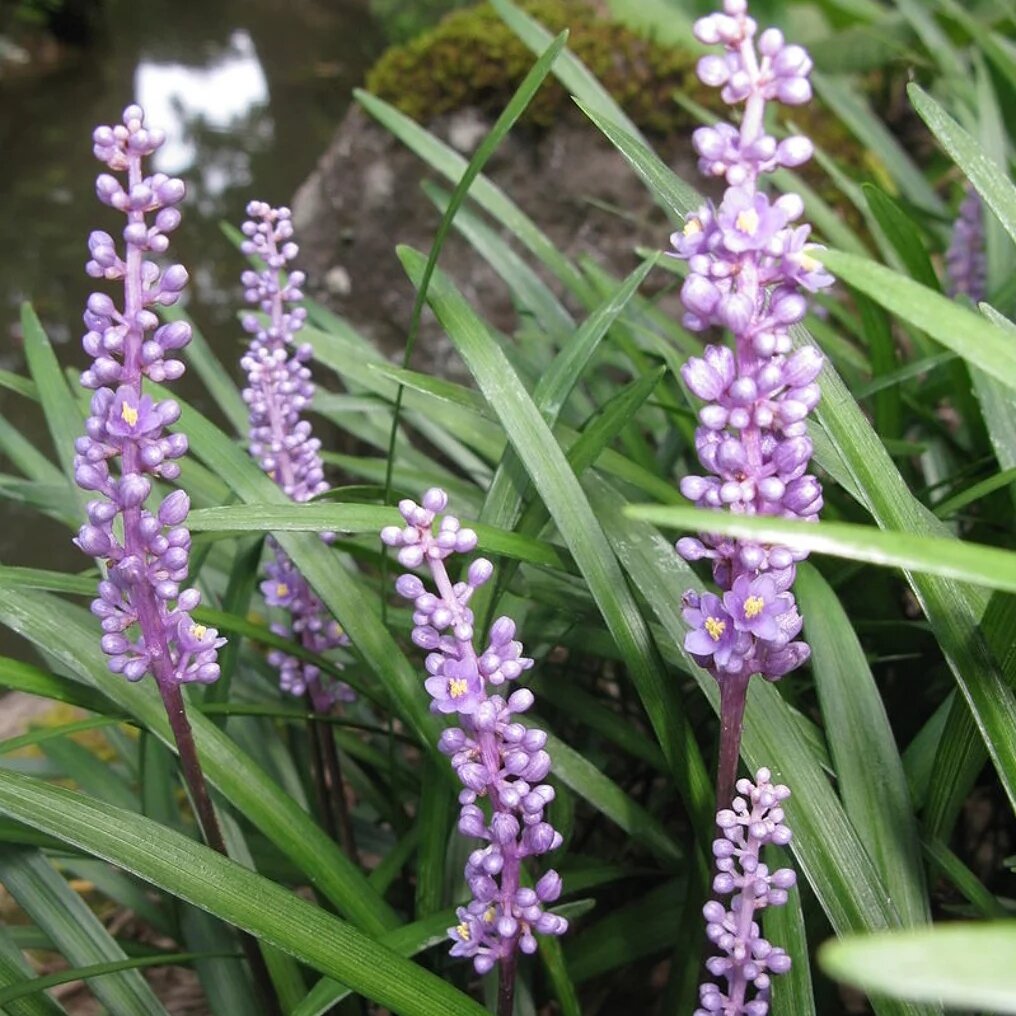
[493,754]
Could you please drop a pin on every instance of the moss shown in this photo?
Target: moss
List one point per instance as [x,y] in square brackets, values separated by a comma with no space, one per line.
[473,58]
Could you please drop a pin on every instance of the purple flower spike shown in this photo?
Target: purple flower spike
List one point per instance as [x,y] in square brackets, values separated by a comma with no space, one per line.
[746,961]
[750,269]
[145,616]
[493,754]
[965,260]
[279,390]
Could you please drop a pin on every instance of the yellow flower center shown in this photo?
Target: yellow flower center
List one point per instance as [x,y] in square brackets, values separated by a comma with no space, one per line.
[282,590]
[692,227]
[488,915]
[462,931]
[747,221]
[458,687]
[198,631]
[807,262]
[129,414]
[753,606]
[715,628]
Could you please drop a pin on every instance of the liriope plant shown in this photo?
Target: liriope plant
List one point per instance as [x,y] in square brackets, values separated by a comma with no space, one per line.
[546,457]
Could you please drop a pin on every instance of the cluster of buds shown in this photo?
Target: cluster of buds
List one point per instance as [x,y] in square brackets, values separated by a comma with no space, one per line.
[494,755]
[746,959]
[749,265]
[145,616]
[965,261]
[279,390]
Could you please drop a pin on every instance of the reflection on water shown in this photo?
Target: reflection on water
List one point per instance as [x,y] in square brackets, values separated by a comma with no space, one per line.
[221,95]
[249,93]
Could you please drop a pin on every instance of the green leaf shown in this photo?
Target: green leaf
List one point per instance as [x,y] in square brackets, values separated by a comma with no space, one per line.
[322,516]
[13,968]
[853,110]
[903,234]
[570,71]
[547,55]
[679,198]
[965,966]
[491,198]
[793,994]
[63,416]
[963,331]
[989,180]
[79,935]
[220,886]
[934,555]
[243,782]
[214,376]
[16,991]
[869,772]
[552,476]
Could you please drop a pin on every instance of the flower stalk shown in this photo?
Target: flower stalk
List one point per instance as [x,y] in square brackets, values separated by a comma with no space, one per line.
[746,961]
[497,759]
[279,390]
[145,616]
[749,268]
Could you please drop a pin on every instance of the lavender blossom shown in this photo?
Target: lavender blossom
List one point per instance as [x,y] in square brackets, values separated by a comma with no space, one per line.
[279,390]
[965,261]
[746,959]
[145,616]
[749,265]
[493,754]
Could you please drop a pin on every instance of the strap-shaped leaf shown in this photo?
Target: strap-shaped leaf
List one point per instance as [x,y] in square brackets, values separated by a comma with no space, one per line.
[247,900]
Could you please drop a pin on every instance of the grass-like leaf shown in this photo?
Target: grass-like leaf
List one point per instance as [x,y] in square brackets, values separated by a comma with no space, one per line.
[964,332]
[246,900]
[965,966]
[968,562]
[991,183]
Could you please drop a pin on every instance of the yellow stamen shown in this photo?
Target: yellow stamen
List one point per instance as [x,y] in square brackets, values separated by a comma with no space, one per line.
[488,915]
[129,414]
[715,628]
[198,631]
[753,606]
[462,931]
[807,262]
[692,227]
[458,687]
[747,221]
[282,590]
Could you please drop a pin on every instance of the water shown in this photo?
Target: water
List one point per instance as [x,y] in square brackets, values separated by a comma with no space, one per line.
[249,93]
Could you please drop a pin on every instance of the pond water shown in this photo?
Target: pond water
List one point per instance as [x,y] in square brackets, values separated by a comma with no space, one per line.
[249,93]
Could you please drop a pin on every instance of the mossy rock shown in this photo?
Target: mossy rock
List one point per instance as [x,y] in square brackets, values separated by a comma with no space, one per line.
[472,58]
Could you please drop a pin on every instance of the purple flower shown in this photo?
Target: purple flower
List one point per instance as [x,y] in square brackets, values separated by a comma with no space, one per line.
[746,961]
[279,391]
[145,615]
[749,269]
[965,260]
[754,606]
[493,754]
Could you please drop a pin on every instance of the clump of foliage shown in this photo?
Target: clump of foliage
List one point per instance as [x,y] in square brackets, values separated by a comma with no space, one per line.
[473,59]
[564,458]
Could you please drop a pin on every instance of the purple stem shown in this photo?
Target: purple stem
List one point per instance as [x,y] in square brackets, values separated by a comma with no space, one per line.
[733,696]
